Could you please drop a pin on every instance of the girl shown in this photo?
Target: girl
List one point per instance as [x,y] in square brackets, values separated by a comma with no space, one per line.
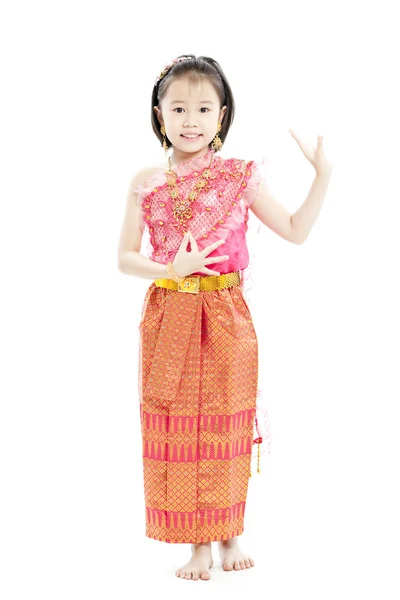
[198,354]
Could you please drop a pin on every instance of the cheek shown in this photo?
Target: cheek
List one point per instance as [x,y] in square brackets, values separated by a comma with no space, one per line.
[172,124]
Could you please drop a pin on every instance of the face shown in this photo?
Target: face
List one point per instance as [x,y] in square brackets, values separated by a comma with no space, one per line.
[186,108]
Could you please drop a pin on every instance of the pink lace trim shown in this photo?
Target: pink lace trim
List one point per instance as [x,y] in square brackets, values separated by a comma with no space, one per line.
[252,178]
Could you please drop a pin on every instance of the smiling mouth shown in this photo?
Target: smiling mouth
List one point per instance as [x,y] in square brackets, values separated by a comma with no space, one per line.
[191,137]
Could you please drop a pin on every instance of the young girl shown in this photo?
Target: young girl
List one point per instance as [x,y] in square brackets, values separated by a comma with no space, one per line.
[198,355]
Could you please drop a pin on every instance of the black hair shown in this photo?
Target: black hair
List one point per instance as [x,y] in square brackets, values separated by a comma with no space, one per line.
[195,69]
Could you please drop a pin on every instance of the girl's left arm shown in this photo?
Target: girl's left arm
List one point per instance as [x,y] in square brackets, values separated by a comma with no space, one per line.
[304,218]
[296,227]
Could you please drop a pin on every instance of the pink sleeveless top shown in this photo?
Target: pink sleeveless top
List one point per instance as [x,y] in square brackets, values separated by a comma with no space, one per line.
[220,210]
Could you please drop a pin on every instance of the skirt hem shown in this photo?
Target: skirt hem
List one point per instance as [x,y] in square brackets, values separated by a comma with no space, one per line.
[198,541]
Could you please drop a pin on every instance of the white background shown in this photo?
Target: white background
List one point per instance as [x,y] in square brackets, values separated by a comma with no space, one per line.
[322,517]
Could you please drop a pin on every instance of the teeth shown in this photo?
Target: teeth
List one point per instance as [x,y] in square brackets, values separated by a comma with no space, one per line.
[191,136]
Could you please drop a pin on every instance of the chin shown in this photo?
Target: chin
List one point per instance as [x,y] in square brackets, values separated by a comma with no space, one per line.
[193,150]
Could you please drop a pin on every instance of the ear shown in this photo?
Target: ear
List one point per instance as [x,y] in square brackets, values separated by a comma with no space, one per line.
[159,115]
[222,112]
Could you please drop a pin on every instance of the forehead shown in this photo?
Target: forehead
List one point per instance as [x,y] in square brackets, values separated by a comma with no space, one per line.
[191,91]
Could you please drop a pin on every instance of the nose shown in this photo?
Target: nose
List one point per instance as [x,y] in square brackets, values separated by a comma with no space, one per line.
[190,120]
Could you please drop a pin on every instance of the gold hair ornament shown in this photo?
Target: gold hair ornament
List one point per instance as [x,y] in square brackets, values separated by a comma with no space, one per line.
[168,67]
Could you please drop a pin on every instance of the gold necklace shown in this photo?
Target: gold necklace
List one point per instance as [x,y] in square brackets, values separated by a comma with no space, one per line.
[181,209]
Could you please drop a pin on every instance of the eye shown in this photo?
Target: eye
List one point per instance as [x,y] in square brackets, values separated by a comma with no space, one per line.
[180,108]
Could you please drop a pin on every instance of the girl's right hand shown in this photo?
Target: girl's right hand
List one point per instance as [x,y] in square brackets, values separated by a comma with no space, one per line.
[186,263]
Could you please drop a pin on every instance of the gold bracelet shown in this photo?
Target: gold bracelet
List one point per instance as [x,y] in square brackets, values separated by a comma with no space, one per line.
[173,274]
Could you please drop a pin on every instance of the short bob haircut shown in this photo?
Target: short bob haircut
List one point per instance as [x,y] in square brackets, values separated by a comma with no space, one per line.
[195,69]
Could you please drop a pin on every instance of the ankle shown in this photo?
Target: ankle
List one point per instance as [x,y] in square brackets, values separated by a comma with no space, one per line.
[201,545]
[231,542]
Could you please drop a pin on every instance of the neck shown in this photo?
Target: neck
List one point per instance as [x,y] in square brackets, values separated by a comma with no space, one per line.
[178,156]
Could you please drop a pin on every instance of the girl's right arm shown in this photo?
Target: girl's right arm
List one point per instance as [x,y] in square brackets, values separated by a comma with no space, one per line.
[130,261]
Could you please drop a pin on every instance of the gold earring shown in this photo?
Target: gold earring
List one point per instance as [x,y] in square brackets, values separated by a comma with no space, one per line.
[217,142]
[165,141]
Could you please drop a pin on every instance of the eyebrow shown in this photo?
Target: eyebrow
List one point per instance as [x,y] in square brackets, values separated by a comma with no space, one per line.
[200,102]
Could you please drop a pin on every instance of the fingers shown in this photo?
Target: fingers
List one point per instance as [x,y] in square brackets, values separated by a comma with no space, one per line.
[193,242]
[209,248]
[218,243]
[212,247]
[184,242]
[188,237]
[209,272]
[213,259]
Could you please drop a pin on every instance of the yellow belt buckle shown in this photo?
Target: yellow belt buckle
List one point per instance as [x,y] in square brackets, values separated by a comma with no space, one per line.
[190,285]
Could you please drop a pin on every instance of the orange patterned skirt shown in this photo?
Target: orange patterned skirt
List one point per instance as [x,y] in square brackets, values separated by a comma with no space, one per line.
[198,375]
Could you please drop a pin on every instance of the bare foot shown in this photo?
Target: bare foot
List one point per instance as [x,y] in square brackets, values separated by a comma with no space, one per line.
[232,557]
[198,565]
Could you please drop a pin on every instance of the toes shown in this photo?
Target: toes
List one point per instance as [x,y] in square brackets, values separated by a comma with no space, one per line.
[227,566]
[182,574]
[237,564]
[195,575]
[205,575]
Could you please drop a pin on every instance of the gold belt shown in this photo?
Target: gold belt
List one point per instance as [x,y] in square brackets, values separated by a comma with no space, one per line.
[193,285]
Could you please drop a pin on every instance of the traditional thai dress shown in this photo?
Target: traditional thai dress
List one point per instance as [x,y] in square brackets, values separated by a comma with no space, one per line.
[198,359]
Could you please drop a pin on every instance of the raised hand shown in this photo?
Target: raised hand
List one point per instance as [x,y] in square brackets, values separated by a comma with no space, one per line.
[316,156]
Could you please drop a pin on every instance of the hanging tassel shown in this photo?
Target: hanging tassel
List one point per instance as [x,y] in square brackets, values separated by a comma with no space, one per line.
[257,441]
